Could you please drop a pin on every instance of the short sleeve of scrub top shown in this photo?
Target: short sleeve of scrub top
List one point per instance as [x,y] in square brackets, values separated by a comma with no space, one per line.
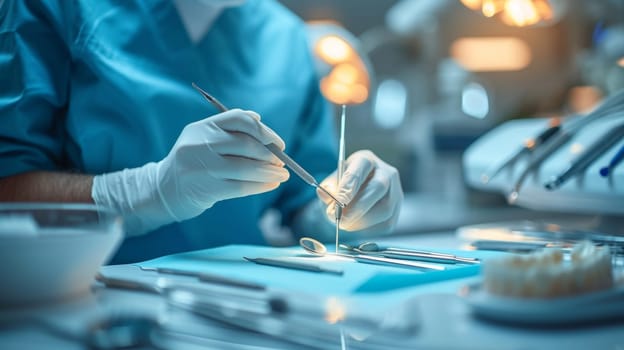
[99,86]
[34,65]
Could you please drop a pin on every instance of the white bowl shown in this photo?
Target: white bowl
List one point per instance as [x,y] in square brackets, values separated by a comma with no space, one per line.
[52,251]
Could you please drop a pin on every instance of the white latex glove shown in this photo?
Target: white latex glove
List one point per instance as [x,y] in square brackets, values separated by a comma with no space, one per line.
[372,191]
[214,159]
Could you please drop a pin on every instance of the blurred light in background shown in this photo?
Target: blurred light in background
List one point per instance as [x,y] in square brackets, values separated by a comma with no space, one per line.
[348,80]
[475,101]
[519,13]
[582,99]
[489,54]
[390,104]
[347,83]
[447,73]
[490,8]
[333,49]
[522,13]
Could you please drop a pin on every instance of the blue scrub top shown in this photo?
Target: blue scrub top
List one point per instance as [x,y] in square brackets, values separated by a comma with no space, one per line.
[98,86]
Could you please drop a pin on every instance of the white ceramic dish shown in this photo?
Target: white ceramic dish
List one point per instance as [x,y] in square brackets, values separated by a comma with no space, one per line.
[52,251]
[585,308]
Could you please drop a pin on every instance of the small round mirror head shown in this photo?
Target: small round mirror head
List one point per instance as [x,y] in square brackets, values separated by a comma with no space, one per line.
[313,246]
[368,247]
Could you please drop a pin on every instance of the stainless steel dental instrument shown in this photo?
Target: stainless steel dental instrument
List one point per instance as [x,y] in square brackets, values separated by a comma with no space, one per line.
[273,148]
[295,265]
[516,246]
[317,248]
[580,164]
[204,277]
[372,248]
[393,262]
[341,158]
[554,126]
[220,296]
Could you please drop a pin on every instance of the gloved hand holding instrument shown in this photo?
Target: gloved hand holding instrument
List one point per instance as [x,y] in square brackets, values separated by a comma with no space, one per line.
[230,155]
[369,190]
[372,191]
[214,159]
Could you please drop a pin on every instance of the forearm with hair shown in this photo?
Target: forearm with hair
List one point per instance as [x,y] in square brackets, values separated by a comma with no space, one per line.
[46,186]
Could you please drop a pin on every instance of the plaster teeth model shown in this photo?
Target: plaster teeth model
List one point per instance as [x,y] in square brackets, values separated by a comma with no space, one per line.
[546,274]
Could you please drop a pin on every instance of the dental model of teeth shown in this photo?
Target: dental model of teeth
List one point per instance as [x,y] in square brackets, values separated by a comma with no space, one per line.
[546,274]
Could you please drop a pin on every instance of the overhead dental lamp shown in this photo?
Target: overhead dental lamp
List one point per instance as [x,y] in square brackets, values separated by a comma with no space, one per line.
[520,13]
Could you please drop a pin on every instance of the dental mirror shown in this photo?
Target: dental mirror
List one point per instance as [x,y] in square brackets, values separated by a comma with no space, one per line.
[363,247]
[313,246]
[368,247]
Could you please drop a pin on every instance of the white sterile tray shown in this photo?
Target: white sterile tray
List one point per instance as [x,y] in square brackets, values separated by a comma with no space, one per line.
[582,309]
[587,193]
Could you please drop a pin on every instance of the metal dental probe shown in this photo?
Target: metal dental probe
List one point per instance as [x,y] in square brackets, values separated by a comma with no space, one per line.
[273,148]
[341,157]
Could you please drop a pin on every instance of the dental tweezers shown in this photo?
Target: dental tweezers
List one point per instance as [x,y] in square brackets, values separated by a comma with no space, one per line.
[273,148]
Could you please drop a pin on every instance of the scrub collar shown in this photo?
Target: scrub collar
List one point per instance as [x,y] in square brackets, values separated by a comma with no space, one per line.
[199,15]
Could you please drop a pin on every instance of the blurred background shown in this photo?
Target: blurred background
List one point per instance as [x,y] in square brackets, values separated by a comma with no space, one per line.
[441,73]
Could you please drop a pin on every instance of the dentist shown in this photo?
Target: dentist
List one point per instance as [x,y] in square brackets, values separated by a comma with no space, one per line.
[96,106]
